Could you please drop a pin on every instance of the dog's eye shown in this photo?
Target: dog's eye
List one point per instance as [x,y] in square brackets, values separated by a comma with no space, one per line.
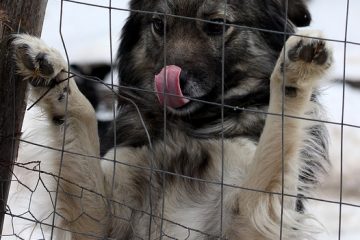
[216,28]
[158,26]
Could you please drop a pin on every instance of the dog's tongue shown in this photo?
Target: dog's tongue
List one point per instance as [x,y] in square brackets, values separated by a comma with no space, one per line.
[171,85]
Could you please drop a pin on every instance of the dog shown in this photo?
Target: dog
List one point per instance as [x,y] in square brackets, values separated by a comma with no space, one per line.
[210,141]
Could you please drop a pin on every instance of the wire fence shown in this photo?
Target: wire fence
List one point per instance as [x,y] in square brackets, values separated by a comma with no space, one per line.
[48,226]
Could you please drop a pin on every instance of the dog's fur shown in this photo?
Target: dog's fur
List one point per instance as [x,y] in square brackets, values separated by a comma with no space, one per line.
[205,171]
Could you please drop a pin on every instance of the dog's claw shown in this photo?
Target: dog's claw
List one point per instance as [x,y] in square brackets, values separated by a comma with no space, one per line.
[310,52]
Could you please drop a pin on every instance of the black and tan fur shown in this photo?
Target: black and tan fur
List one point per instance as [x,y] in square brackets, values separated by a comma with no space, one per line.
[171,185]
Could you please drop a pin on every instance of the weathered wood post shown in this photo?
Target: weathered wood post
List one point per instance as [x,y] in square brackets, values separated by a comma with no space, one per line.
[23,16]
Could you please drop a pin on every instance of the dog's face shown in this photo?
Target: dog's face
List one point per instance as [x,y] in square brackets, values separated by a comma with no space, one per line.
[178,46]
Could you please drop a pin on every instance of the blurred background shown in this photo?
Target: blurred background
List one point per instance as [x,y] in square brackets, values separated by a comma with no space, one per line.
[86,34]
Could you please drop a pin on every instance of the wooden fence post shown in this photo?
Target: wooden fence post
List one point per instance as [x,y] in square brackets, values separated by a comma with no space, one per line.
[23,16]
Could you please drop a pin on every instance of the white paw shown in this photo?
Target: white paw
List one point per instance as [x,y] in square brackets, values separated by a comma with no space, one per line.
[36,61]
[307,59]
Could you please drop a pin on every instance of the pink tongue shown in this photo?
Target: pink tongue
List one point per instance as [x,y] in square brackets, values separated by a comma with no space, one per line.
[171,85]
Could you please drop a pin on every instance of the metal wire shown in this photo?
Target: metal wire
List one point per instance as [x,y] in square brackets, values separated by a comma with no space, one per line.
[65,120]
[154,218]
[162,233]
[283,123]
[342,121]
[222,118]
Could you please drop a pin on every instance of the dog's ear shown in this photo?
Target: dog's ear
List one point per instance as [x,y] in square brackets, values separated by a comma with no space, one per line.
[132,28]
[298,12]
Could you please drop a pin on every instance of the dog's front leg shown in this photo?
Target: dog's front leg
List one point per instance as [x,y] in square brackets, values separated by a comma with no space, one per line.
[306,61]
[74,175]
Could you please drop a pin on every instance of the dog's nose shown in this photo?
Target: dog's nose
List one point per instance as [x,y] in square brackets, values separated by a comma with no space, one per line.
[183,77]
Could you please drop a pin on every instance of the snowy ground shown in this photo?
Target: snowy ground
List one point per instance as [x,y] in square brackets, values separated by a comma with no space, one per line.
[86,35]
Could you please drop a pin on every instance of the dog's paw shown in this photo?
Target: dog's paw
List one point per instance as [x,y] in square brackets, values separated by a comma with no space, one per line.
[35,61]
[306,59]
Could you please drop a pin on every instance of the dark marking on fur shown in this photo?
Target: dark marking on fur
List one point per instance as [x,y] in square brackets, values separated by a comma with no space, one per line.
[293,53]
[321,57]
[235,207]
[306,53]
[139,185]
[282,67]
[58,120]
[41,82]
[67,90]
[300,206]
[63,94]
[45,67]
[22,52]
[61,97]
[291,91]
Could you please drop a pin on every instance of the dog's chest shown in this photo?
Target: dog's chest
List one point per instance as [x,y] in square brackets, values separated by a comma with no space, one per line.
[191,207]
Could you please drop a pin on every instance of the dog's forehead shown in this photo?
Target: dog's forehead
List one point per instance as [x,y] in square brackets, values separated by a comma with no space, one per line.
[191,8]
